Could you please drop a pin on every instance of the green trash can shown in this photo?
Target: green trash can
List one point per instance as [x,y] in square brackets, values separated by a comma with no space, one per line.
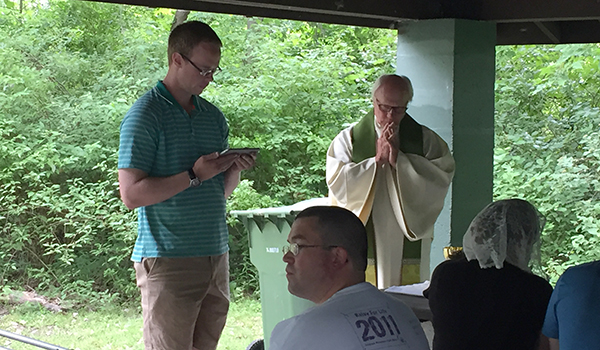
[268,230]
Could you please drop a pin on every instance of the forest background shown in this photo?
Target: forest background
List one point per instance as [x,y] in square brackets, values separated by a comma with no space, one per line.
[71,69]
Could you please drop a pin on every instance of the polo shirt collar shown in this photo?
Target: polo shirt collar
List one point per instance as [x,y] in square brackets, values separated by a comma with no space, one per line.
[162,91]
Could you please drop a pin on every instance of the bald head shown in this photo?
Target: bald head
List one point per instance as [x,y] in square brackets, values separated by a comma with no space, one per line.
[395,84]
[391,95]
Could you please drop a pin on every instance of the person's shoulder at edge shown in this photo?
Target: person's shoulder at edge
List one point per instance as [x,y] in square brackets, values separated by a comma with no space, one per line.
[582,269]
[587,273]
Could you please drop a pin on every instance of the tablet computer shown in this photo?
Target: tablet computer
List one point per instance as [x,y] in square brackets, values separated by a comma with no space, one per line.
[240,151]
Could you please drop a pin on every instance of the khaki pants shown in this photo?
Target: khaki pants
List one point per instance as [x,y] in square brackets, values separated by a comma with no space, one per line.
[184,301]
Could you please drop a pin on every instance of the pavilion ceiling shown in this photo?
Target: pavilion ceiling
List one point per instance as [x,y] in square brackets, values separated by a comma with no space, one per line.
[517,21]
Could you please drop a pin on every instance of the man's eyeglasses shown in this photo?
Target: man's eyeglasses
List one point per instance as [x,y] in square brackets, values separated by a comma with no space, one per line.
[203,72]
[294,248]
[394,109]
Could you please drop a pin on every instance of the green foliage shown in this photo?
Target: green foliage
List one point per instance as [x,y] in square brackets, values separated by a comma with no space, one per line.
[62,231]
[280,93]
[244,275]
[64,91]
[547,148]
[71,69]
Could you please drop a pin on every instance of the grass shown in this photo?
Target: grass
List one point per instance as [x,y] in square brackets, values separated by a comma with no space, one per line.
[114,328]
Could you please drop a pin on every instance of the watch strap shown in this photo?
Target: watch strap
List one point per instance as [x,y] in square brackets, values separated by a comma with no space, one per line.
[194,180]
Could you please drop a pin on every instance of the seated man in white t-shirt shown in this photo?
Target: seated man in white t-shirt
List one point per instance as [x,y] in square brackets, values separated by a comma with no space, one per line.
[326,262]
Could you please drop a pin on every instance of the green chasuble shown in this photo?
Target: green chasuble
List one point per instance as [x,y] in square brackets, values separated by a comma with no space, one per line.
[364,145]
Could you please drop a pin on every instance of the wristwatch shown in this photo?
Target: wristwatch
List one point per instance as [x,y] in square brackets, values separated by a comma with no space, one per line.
[194,180]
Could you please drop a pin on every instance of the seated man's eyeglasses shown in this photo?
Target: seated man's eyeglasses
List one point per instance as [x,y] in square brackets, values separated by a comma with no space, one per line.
[203,72]
[294,248]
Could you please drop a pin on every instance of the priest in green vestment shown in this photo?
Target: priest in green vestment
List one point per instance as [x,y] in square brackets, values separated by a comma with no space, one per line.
[393,173]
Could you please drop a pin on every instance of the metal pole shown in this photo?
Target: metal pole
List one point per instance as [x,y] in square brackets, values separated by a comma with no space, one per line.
[30,341]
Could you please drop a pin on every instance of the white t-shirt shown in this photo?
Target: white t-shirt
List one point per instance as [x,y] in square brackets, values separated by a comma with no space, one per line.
[356,317]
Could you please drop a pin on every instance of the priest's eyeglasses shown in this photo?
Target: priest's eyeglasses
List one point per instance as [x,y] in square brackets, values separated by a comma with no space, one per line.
[203,72]
[294,248]
[387,108]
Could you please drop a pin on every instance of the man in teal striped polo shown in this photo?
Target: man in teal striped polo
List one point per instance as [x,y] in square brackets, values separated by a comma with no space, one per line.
[171,170]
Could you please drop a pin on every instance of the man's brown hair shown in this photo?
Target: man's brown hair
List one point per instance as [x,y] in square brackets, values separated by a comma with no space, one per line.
[186,36]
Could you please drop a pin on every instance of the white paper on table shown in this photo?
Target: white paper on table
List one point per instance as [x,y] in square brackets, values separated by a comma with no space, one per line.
[411,289]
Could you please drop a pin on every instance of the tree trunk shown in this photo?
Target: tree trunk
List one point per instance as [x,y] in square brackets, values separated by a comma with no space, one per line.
[180,17]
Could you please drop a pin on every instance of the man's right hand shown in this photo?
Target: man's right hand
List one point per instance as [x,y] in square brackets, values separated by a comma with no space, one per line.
[383,151]
[209,165]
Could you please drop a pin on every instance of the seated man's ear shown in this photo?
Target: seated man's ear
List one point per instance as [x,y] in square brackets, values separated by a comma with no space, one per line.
[340,257]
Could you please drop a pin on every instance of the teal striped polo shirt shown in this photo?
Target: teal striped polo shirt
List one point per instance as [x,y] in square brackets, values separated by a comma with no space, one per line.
[160,138]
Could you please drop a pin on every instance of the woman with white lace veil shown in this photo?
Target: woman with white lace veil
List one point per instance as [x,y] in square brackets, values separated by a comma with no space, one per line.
[505,231]
[489,298]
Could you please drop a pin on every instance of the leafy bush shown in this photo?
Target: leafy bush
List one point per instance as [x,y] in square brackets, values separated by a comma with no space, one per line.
[61,231]
[70,71]
[280,93]
[547,119]
[63,227]
[244,275]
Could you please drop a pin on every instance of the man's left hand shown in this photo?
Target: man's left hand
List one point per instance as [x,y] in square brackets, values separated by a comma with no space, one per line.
[390,132]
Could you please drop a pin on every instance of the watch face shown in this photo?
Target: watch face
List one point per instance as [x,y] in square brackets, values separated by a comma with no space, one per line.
[195,182]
